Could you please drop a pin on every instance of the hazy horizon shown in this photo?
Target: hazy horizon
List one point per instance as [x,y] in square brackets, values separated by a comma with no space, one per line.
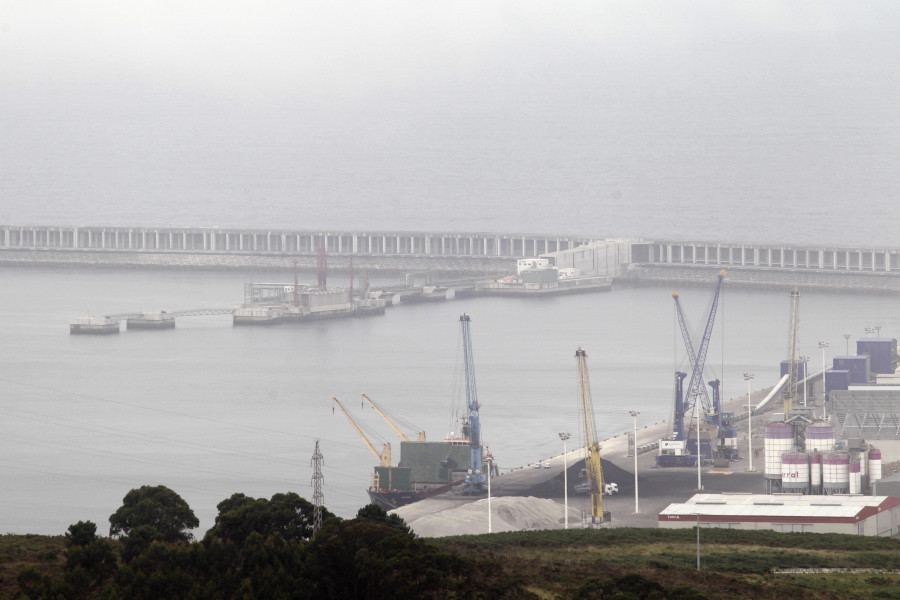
[763,121]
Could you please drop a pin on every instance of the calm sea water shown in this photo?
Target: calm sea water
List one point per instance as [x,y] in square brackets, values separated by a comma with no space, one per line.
[773,135]
[209,410]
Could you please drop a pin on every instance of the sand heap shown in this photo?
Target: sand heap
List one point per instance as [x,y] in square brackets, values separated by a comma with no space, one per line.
[510,513]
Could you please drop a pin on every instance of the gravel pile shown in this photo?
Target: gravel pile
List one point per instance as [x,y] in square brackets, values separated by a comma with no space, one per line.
[509,514]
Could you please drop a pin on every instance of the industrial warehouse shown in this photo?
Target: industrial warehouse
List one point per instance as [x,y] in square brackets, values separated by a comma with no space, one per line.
[849,514]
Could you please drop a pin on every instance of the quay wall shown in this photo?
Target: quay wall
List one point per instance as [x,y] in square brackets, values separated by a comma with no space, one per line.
[116,259]
[739,276]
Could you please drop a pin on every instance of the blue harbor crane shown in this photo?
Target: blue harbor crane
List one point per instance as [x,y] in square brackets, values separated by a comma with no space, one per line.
[674,452]
[475,482]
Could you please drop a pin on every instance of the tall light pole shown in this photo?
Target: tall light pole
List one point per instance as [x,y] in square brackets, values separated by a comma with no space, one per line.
[698,541]
[564,437]
[750,469]
[805,361]
[697,408]
[824,345]
[847,341]
[634,415]
[489,459]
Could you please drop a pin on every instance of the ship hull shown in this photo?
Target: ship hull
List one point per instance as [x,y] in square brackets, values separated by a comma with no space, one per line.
[391,499]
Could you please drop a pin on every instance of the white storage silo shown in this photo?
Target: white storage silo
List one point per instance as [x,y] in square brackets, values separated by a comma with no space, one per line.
[836,473]
[854,480]
[819,437]
[874,465]
[815,473]
[779,439]
[795,472]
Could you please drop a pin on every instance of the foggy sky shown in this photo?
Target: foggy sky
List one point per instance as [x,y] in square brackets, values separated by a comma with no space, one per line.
[464,115]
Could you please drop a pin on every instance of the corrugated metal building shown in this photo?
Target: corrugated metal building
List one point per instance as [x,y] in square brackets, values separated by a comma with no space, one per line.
[850,514]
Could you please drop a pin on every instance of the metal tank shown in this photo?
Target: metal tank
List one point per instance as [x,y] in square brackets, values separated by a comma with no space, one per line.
[819,437]
[854,478]
[779,439]
[874,466]
[836,473]
[815,473]
[795,472]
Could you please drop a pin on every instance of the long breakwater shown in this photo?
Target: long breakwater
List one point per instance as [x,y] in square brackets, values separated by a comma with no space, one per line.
[634,260]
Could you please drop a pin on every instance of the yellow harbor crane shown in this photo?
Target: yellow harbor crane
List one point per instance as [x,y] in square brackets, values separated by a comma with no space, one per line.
[384,458]
[393,426]
[591,445]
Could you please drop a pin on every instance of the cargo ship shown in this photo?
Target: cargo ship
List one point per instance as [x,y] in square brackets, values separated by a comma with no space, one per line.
[425,469]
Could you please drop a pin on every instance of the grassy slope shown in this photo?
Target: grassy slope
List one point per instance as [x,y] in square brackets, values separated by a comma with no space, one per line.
[553,564]
[734,564]
[45,553]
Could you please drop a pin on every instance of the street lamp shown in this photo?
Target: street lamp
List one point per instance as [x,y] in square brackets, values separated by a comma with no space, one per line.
[698,541]
[805,361]
[697,409]
[824,345]
[634,415]
[489,458]
[564,437]
[750,469]
[847,340]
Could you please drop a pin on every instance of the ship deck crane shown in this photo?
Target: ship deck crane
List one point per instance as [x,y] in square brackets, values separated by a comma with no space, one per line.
[384,457]
[392,425]
[475,481]
[591,445]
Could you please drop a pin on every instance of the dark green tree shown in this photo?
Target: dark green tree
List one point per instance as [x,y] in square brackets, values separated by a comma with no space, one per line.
[148,514]
[81,533]
[287,515]
[376,514]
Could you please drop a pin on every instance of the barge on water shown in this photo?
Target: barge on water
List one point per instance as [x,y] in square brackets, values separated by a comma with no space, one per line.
[160,320]
[94,326]
[275,303]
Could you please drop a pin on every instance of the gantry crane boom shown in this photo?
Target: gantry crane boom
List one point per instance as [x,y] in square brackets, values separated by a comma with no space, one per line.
[393,425]
[475,479]
[384,458]
[696,387]
[592,446]
[792,354]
